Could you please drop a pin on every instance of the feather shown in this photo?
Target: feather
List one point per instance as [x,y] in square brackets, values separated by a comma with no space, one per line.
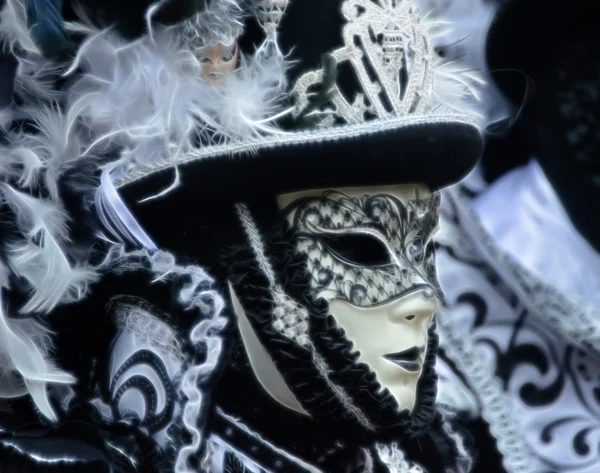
[45,21]
[116,217]
[221,21]
[35,79]
[40,257]
[456,88]
[6,118]
[14,31]
[146,101]
[24,348]
[248,98]
[49,151]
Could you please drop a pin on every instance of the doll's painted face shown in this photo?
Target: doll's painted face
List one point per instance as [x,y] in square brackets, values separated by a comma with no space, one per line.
[370,256]
[218,61]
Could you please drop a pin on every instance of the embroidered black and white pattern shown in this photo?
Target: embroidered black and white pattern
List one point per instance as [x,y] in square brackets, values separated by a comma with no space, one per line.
[551,386]
[405,262]
[145,364]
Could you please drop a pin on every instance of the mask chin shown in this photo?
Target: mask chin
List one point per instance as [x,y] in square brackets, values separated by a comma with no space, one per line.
[391,339]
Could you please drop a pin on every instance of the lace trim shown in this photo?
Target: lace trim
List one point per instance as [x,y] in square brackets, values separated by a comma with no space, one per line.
[579,325]
[393,458]
[495,405]
[336,133]
[149,328]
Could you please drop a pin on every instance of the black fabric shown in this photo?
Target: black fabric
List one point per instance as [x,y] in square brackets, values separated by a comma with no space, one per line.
[12,461]
[522,38]
[8,66]
[566,124]
[129,17]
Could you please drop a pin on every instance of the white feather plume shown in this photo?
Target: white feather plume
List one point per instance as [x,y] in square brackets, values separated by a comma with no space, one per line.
[39,256]
[25,367]
[247,103]
[14,33]
[150,98]
[6,117]
[34,79]
[221,21]
[457,88]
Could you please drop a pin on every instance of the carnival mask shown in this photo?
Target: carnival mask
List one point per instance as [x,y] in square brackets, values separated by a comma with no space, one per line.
[367,253]
[218,61]
[369,256]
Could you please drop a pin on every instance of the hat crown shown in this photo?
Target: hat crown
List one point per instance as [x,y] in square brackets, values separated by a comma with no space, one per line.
[391,55]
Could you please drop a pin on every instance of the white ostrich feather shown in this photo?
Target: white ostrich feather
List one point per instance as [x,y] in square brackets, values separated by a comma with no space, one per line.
[47,152]
[249,100]
[24,352]
[221,21]
[34,79]
[149,97]
[14,33]
[39,256]
[457,88]
[6,117]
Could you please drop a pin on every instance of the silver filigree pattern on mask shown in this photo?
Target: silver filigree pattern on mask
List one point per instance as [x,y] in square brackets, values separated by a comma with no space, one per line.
[404,231]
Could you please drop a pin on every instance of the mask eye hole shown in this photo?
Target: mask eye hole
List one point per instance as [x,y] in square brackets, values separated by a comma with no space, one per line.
[358,249]
[410,317]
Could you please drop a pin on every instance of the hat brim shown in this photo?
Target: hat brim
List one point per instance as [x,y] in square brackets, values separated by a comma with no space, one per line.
[435,152]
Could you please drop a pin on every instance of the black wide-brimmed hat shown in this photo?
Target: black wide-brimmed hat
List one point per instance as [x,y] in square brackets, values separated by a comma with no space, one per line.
[545,56]
[359,97]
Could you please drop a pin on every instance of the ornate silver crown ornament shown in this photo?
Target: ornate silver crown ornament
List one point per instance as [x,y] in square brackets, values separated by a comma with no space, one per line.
[392,55]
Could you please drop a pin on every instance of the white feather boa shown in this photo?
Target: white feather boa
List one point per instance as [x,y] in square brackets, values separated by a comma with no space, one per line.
[25,367]
[149,97]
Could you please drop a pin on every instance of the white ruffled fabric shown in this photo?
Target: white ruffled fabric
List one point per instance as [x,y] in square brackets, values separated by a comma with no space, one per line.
[526,219]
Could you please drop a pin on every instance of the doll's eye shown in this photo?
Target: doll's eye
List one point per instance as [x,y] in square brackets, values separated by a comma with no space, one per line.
[205,60]
[359,249]
[227,57]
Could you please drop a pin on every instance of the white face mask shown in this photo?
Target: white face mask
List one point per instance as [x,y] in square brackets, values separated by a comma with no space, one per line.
[370,256]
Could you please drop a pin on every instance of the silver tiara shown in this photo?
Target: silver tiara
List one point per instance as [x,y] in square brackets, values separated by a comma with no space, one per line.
[386,38]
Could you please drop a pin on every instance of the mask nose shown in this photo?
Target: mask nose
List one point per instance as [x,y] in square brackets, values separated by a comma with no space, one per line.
[411,316]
